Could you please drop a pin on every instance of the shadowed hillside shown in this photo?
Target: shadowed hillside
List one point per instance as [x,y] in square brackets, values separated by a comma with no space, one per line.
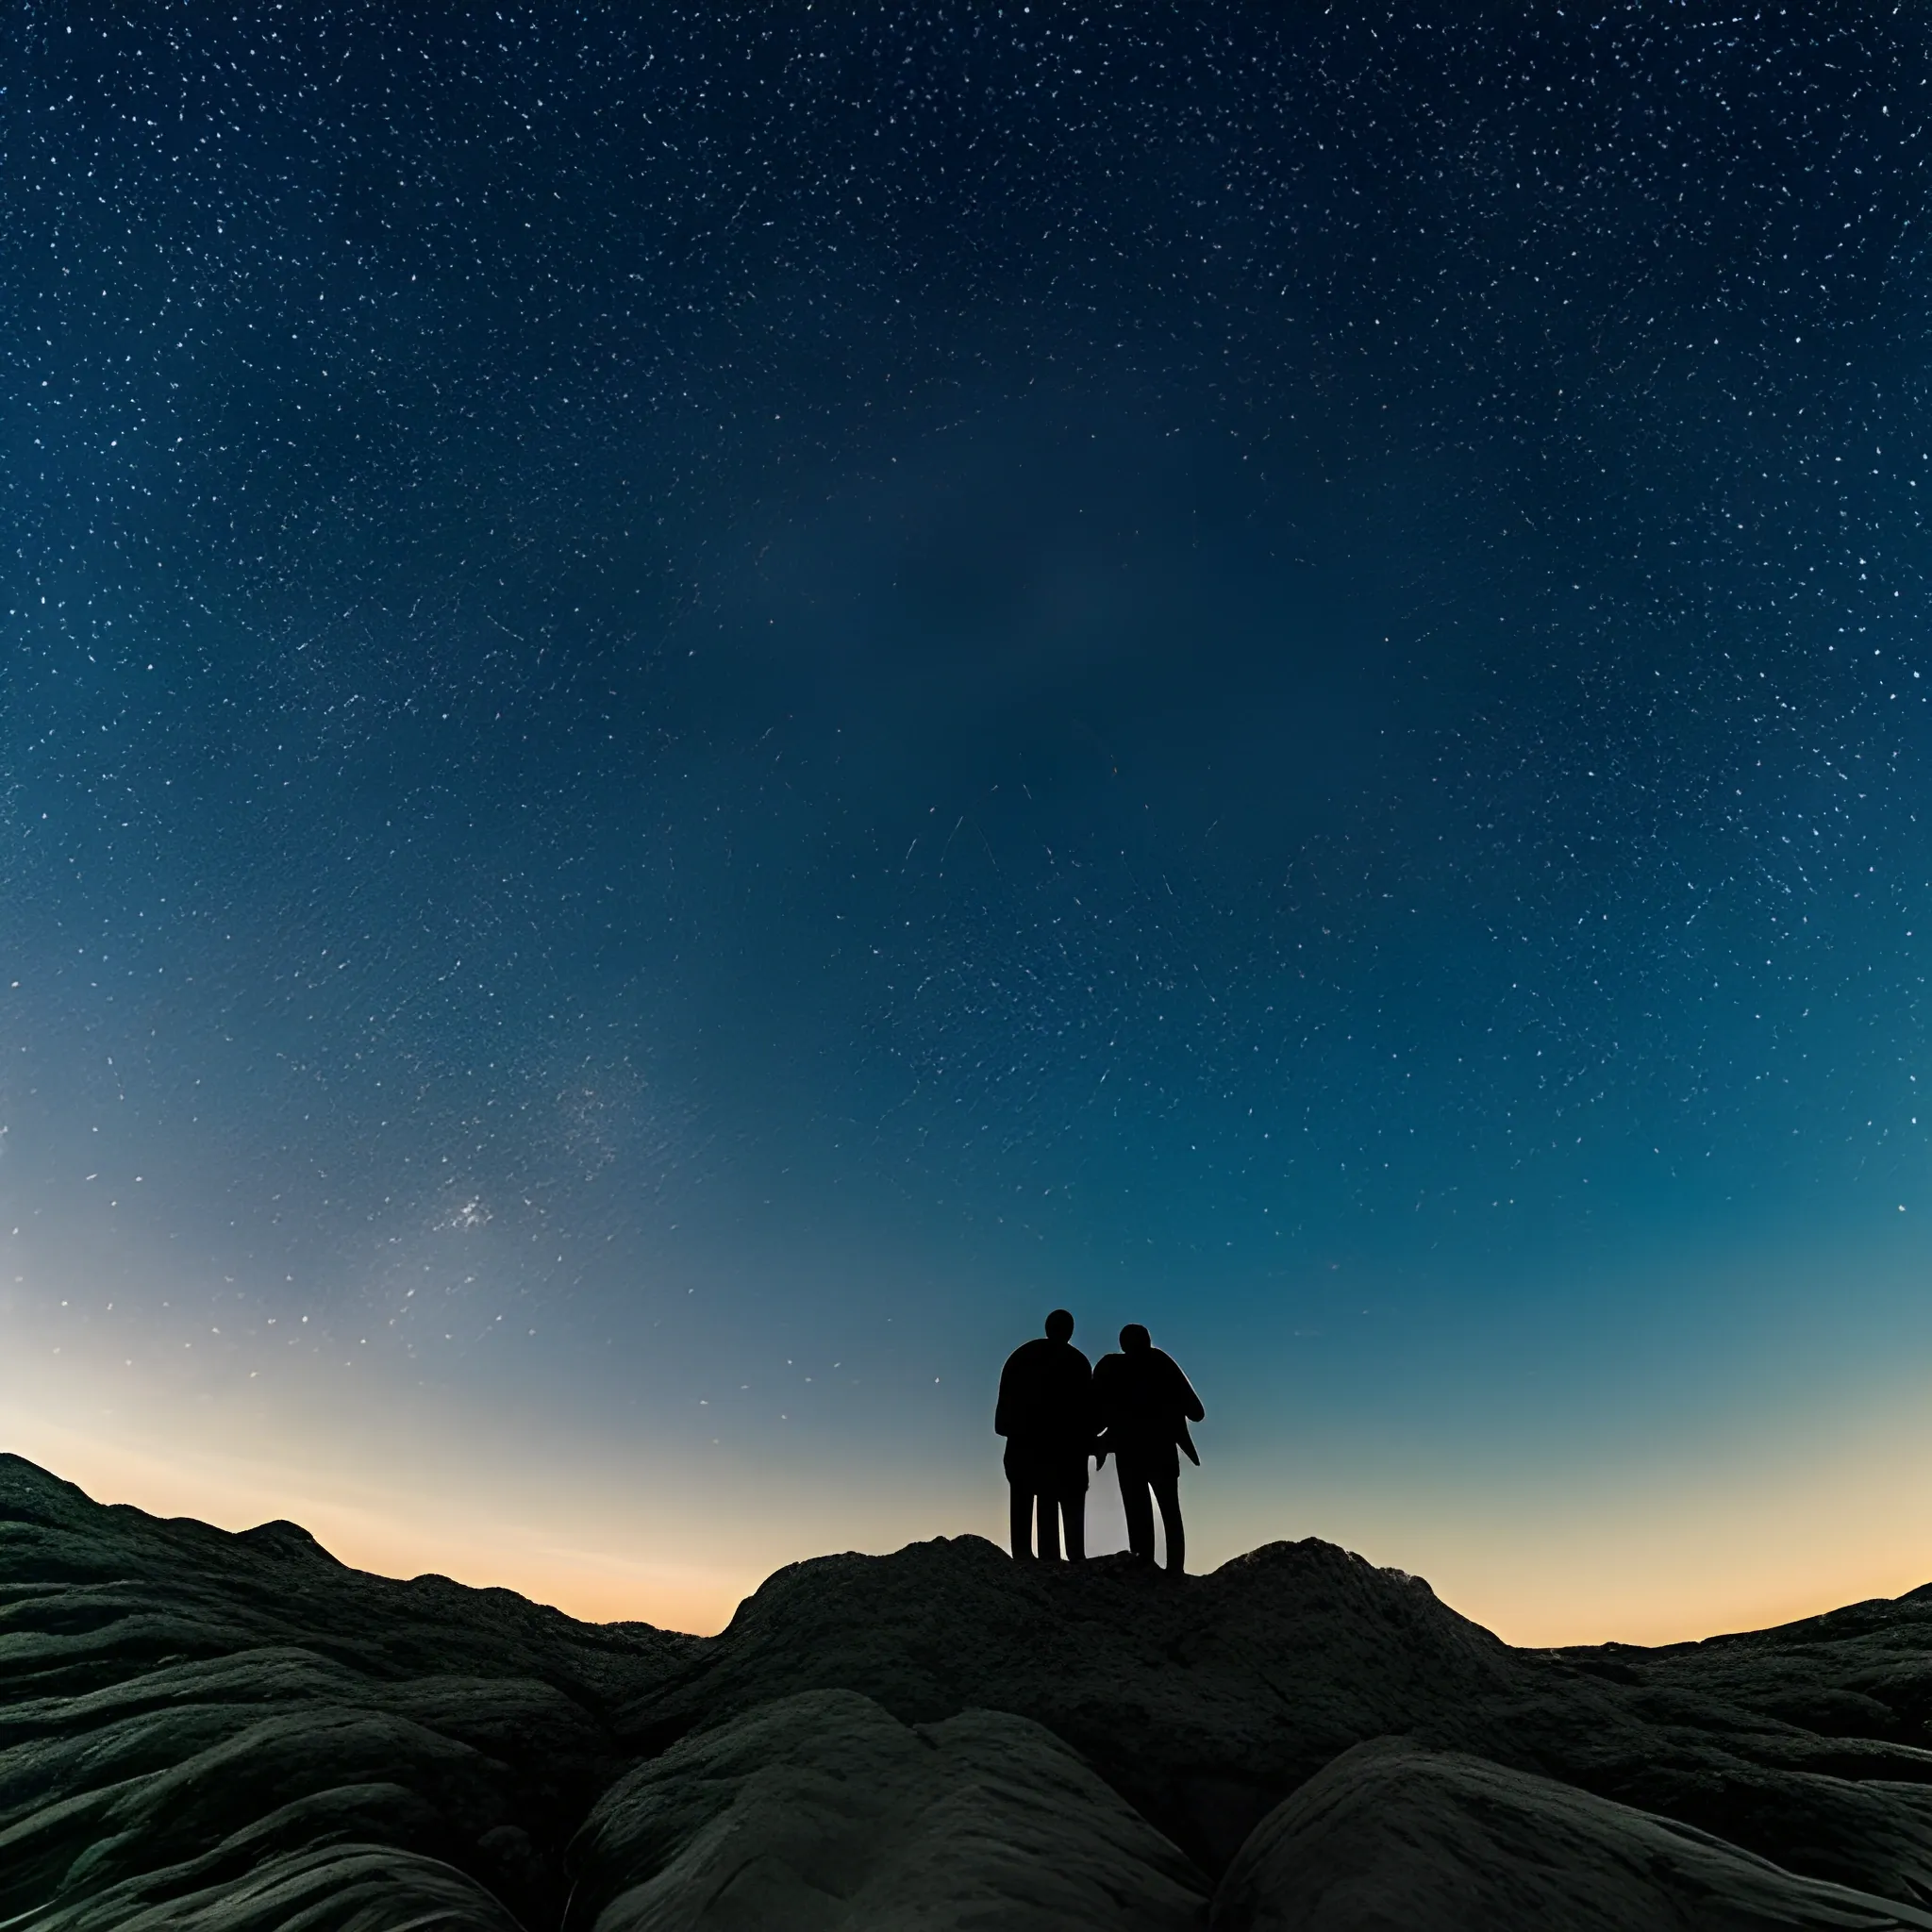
[202,1729]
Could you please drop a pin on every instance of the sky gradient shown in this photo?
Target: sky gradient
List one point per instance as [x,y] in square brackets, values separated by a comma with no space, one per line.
[700,709]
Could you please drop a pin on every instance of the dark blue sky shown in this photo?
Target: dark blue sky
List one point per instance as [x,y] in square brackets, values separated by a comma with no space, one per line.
[695,697]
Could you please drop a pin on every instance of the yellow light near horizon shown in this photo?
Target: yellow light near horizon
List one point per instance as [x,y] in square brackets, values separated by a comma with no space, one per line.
[1773,1522]
[1776,1523]
[401,1531]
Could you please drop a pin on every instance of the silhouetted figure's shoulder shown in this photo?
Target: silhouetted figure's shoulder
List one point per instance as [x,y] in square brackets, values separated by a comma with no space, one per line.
[1045,1389]
[1043,1354]
[1144,1392]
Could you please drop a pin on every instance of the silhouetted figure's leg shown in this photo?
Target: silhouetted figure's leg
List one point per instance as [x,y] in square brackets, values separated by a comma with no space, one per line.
[1020,1520]
[1138,1508]
[1073,1507]
[1167,1490]
[1049,1527]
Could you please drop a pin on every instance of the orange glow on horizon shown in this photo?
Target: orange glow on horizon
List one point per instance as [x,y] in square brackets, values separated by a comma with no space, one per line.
[1760,1527]
[1721,1562]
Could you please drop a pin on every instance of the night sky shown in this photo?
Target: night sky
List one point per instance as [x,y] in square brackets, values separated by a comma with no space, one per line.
[700,708]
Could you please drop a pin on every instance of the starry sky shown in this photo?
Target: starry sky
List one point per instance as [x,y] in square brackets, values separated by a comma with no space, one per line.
[702,703]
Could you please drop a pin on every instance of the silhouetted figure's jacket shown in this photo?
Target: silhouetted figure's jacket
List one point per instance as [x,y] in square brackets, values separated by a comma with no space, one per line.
[1046,1414]
[1144,1405]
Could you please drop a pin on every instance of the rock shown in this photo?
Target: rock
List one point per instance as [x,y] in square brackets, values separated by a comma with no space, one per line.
[1392,1836]
[1754,1737]
[821,1812]
[1205,1700]
[180,1707]
[118,1588]
[192,1724]
[1861,1672]
[337,1887]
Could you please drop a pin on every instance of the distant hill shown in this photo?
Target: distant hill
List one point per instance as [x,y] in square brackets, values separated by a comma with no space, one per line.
[235,1733]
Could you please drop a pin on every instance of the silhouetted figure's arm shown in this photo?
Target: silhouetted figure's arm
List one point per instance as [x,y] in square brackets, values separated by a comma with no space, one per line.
[1190,1403]
[1013,1414]
[1105,1386]
[1189,1409]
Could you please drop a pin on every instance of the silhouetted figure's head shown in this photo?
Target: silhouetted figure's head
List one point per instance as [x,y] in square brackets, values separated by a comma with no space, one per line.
[1133,1338]
[1059,1326]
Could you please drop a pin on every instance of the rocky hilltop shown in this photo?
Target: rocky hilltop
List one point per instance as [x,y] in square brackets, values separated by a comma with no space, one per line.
[234,1733]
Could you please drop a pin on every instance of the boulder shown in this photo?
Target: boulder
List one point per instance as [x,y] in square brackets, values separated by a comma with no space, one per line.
[1393,1837]
[822,1813]
[331,1887]
[1204,1700]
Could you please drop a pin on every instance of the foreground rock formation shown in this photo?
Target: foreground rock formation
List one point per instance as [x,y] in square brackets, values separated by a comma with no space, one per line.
[227,1733]
[1390,1834]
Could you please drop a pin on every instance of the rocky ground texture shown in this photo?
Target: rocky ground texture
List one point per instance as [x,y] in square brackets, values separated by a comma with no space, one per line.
[238,1733]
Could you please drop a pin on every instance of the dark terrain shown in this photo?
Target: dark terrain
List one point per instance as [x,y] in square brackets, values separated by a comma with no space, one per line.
[237,1732]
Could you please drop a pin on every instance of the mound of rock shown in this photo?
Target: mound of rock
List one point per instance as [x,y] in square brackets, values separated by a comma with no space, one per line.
[821,1810]
[200,1729]
[1391,1835]
[1204,1700]
[190,1719]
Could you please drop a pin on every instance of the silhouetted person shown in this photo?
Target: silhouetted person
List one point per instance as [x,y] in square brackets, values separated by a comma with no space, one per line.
[1144,1404]
[1046,1414]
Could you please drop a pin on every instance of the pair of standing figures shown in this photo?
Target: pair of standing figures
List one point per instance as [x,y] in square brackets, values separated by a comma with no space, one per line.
[1056,1411]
